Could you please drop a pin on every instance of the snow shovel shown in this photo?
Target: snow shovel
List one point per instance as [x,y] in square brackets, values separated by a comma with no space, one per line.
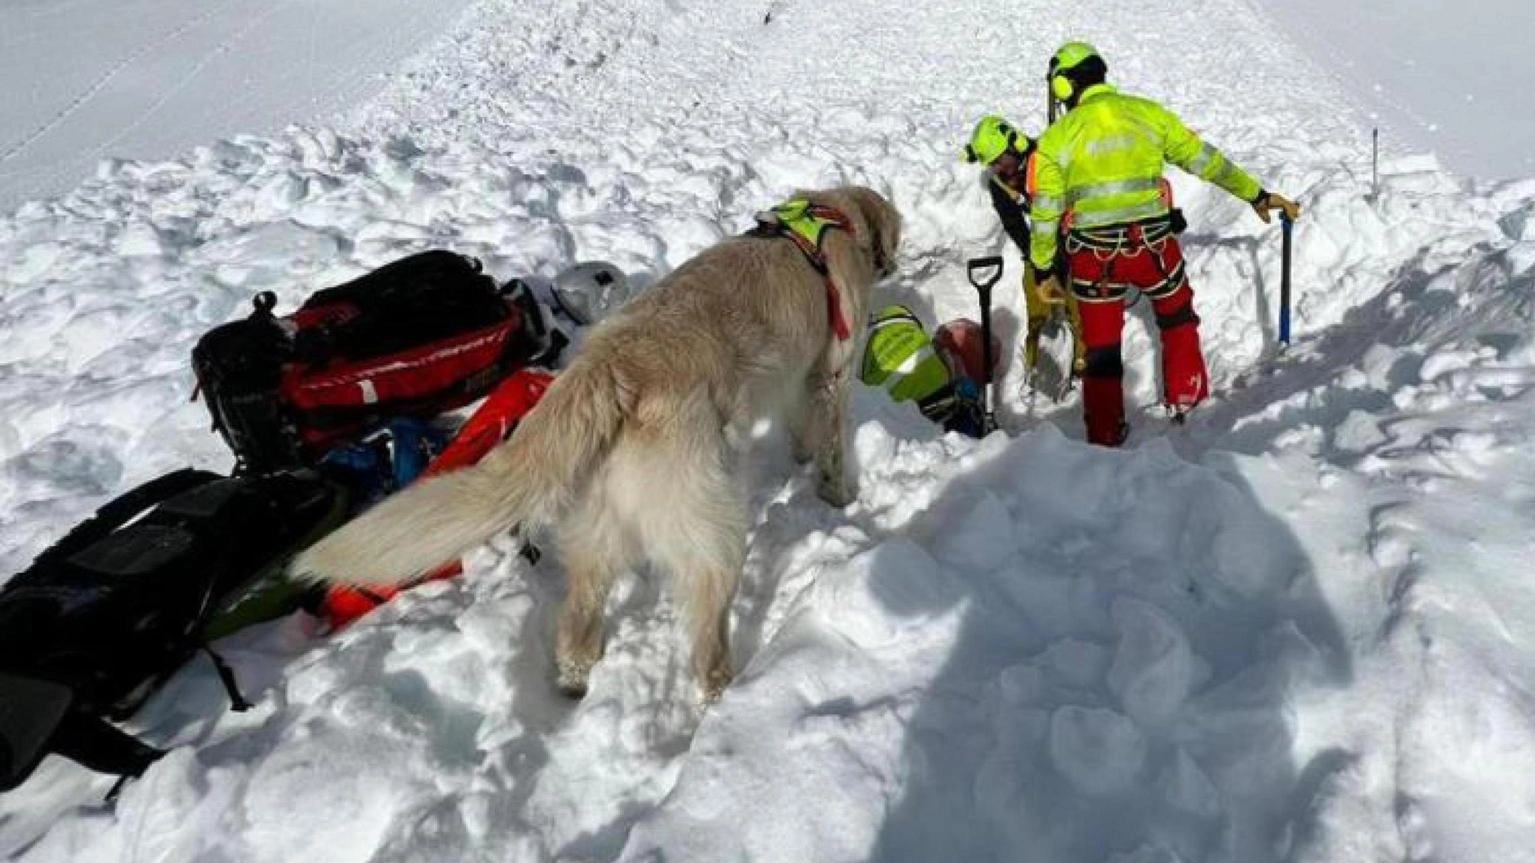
[984,273]
[1044,371]
[1284,280]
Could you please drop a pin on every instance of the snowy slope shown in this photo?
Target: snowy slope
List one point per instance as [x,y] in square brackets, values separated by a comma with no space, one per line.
[148,79]
[1455,82]
[1294,630]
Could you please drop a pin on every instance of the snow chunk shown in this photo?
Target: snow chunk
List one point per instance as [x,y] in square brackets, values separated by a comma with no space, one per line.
[1100,751]
[1358,433]
[1154,668]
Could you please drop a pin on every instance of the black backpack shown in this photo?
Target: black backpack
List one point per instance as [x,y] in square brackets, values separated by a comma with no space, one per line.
[422,335]
[105,616]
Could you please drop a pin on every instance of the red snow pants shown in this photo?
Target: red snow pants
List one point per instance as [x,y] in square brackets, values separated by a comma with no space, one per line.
[1101,279]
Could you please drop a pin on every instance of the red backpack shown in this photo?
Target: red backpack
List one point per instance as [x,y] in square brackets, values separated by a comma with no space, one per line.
[423,335]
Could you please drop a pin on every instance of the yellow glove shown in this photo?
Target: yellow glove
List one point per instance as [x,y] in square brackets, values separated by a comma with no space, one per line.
[1268,201]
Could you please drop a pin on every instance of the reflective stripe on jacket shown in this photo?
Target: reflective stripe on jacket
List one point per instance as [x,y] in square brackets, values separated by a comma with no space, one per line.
[899,356]
[1102,161]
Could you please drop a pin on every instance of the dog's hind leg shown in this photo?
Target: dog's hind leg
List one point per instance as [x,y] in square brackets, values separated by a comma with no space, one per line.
[711,588]
[593,551]
[699,536]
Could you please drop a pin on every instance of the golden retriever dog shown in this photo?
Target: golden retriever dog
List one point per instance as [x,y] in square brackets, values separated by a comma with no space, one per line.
[634,452]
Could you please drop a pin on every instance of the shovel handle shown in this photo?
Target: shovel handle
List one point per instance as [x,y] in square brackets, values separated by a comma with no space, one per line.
[984,273]
[1284,278]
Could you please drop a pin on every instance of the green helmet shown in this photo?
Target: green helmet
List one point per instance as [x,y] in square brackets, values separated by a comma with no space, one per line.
[992,137]
[1066,58]
[1070,55]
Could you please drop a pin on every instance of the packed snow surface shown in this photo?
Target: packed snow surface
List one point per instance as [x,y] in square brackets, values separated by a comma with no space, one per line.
[1451,79]
[1296,629]
[87,80]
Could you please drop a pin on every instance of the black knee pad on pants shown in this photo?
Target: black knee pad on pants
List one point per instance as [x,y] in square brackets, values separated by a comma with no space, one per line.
[1103,362]
[1184,314]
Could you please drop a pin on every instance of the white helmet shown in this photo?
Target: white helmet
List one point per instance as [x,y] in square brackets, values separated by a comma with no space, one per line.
[590,291]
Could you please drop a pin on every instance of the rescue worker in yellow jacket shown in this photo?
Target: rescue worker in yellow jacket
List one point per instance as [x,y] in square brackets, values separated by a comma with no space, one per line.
[1095,180]
[939,373]
[1005,152]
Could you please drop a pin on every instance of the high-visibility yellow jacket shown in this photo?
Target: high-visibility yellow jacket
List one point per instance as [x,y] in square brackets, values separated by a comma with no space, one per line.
[899,356]
[1103,163]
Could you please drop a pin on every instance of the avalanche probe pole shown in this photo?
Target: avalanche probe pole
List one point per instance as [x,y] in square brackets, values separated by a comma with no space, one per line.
[1375,162]
[1284,280]
[983,273]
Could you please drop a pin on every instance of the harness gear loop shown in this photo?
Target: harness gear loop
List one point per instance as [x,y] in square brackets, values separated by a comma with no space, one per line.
[806,224]
[1109,244]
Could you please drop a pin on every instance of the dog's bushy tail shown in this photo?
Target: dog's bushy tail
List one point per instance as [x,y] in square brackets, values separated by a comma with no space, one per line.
[524,481]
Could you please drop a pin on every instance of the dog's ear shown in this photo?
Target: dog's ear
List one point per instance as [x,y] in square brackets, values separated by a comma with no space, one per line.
[884,223]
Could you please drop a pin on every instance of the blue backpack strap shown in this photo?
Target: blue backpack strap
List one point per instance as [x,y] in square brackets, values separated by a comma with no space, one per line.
[414,444]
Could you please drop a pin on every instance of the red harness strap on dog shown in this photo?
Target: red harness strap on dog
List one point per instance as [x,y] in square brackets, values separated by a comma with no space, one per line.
[813,254]
[834,309]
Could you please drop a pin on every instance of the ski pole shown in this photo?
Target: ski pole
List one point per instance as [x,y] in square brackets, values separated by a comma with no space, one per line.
[1375,162]
[984,273]
[1287,228]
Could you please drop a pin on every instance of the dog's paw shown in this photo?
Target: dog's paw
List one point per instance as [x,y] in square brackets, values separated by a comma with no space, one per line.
[715,683]
[839,493]
[571,679]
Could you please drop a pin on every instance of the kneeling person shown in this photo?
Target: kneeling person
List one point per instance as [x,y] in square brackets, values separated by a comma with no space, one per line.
[931,371]
[1006,153]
